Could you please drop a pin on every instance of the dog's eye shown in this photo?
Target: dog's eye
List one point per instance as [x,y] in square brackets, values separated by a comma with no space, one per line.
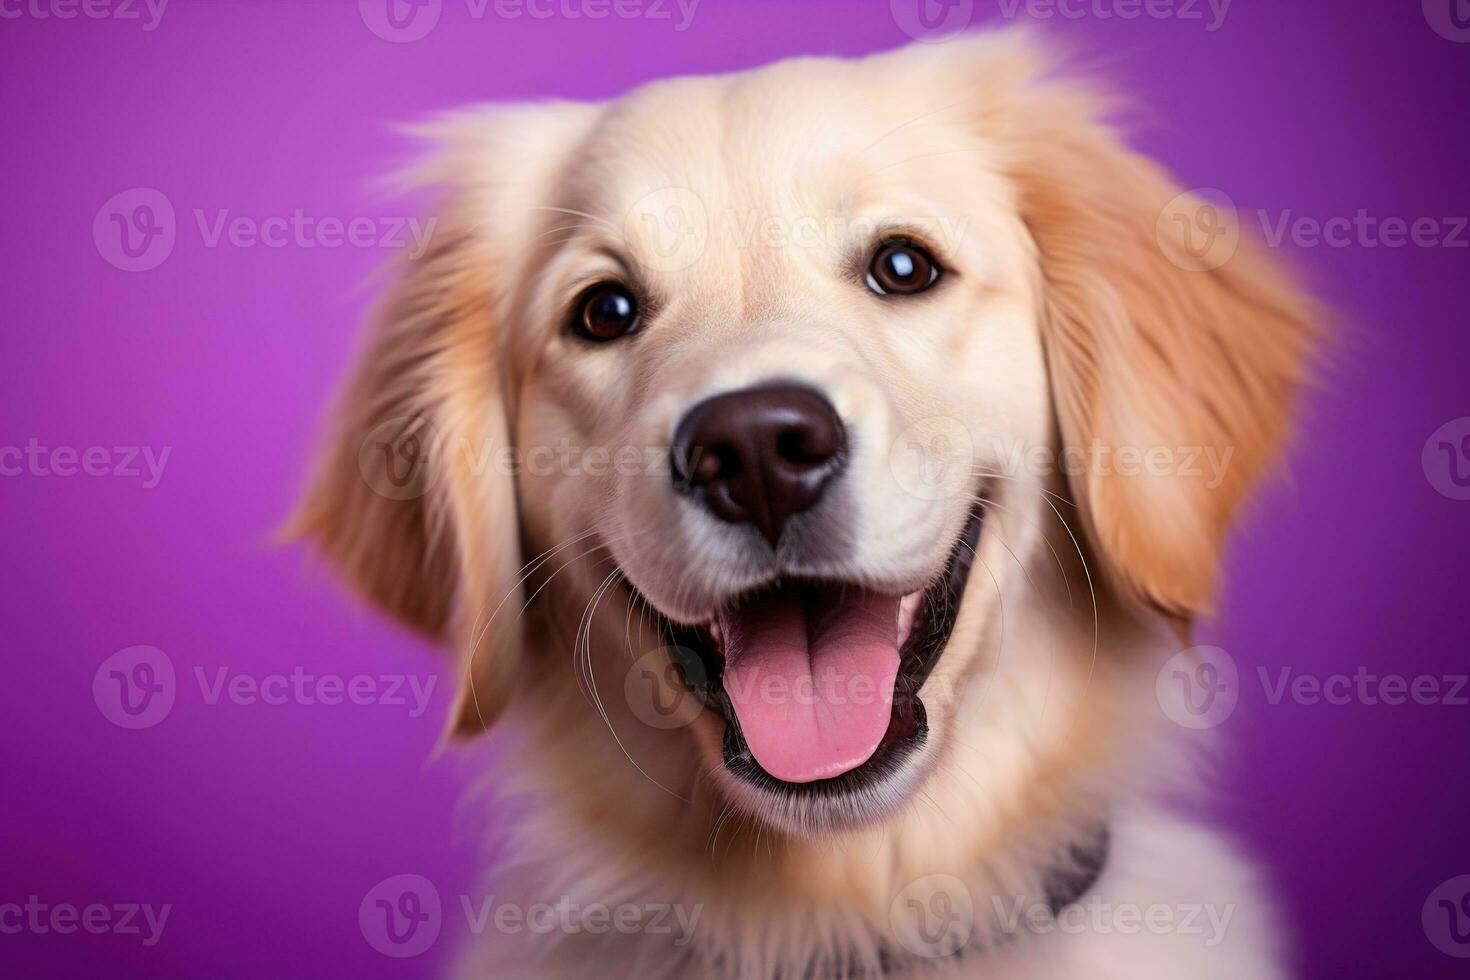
[606,312]
[901,267]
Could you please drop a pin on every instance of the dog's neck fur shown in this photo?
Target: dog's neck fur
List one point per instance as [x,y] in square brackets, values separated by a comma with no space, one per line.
[1065,883]
[759,890]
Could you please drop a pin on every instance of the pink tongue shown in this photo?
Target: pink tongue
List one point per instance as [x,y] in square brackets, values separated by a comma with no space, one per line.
[810,674]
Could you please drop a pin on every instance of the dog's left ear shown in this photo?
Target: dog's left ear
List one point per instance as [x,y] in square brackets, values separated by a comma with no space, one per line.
[1174,345]
[412,500]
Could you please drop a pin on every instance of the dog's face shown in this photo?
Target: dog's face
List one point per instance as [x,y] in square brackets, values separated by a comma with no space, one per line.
[748,364]
[788,321]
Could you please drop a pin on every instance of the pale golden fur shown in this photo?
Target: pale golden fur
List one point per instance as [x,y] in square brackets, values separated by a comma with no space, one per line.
[1045,718]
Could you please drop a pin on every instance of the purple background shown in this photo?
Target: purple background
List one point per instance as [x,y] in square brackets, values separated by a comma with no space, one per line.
[265,826]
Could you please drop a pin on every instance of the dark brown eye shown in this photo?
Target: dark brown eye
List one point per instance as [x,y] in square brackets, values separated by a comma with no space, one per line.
[901,267]
[606,312]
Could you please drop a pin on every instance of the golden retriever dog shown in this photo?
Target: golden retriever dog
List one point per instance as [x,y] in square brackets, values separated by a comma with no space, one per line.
[813,471]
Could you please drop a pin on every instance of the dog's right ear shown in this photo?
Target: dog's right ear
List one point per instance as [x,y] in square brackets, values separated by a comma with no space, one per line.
[375,505]
[1162,350]
[406,501]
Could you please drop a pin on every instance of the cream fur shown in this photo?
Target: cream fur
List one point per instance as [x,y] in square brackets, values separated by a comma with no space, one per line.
[1069,322]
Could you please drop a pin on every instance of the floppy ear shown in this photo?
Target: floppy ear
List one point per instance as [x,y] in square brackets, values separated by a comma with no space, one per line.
[407,500]
[1166,333]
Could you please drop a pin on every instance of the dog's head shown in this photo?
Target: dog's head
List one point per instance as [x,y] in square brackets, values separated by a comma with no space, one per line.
[744,372]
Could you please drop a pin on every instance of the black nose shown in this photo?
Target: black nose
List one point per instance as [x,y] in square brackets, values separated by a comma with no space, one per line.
[759,455]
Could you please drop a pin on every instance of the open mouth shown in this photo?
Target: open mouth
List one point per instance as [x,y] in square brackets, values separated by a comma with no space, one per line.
[818,681]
